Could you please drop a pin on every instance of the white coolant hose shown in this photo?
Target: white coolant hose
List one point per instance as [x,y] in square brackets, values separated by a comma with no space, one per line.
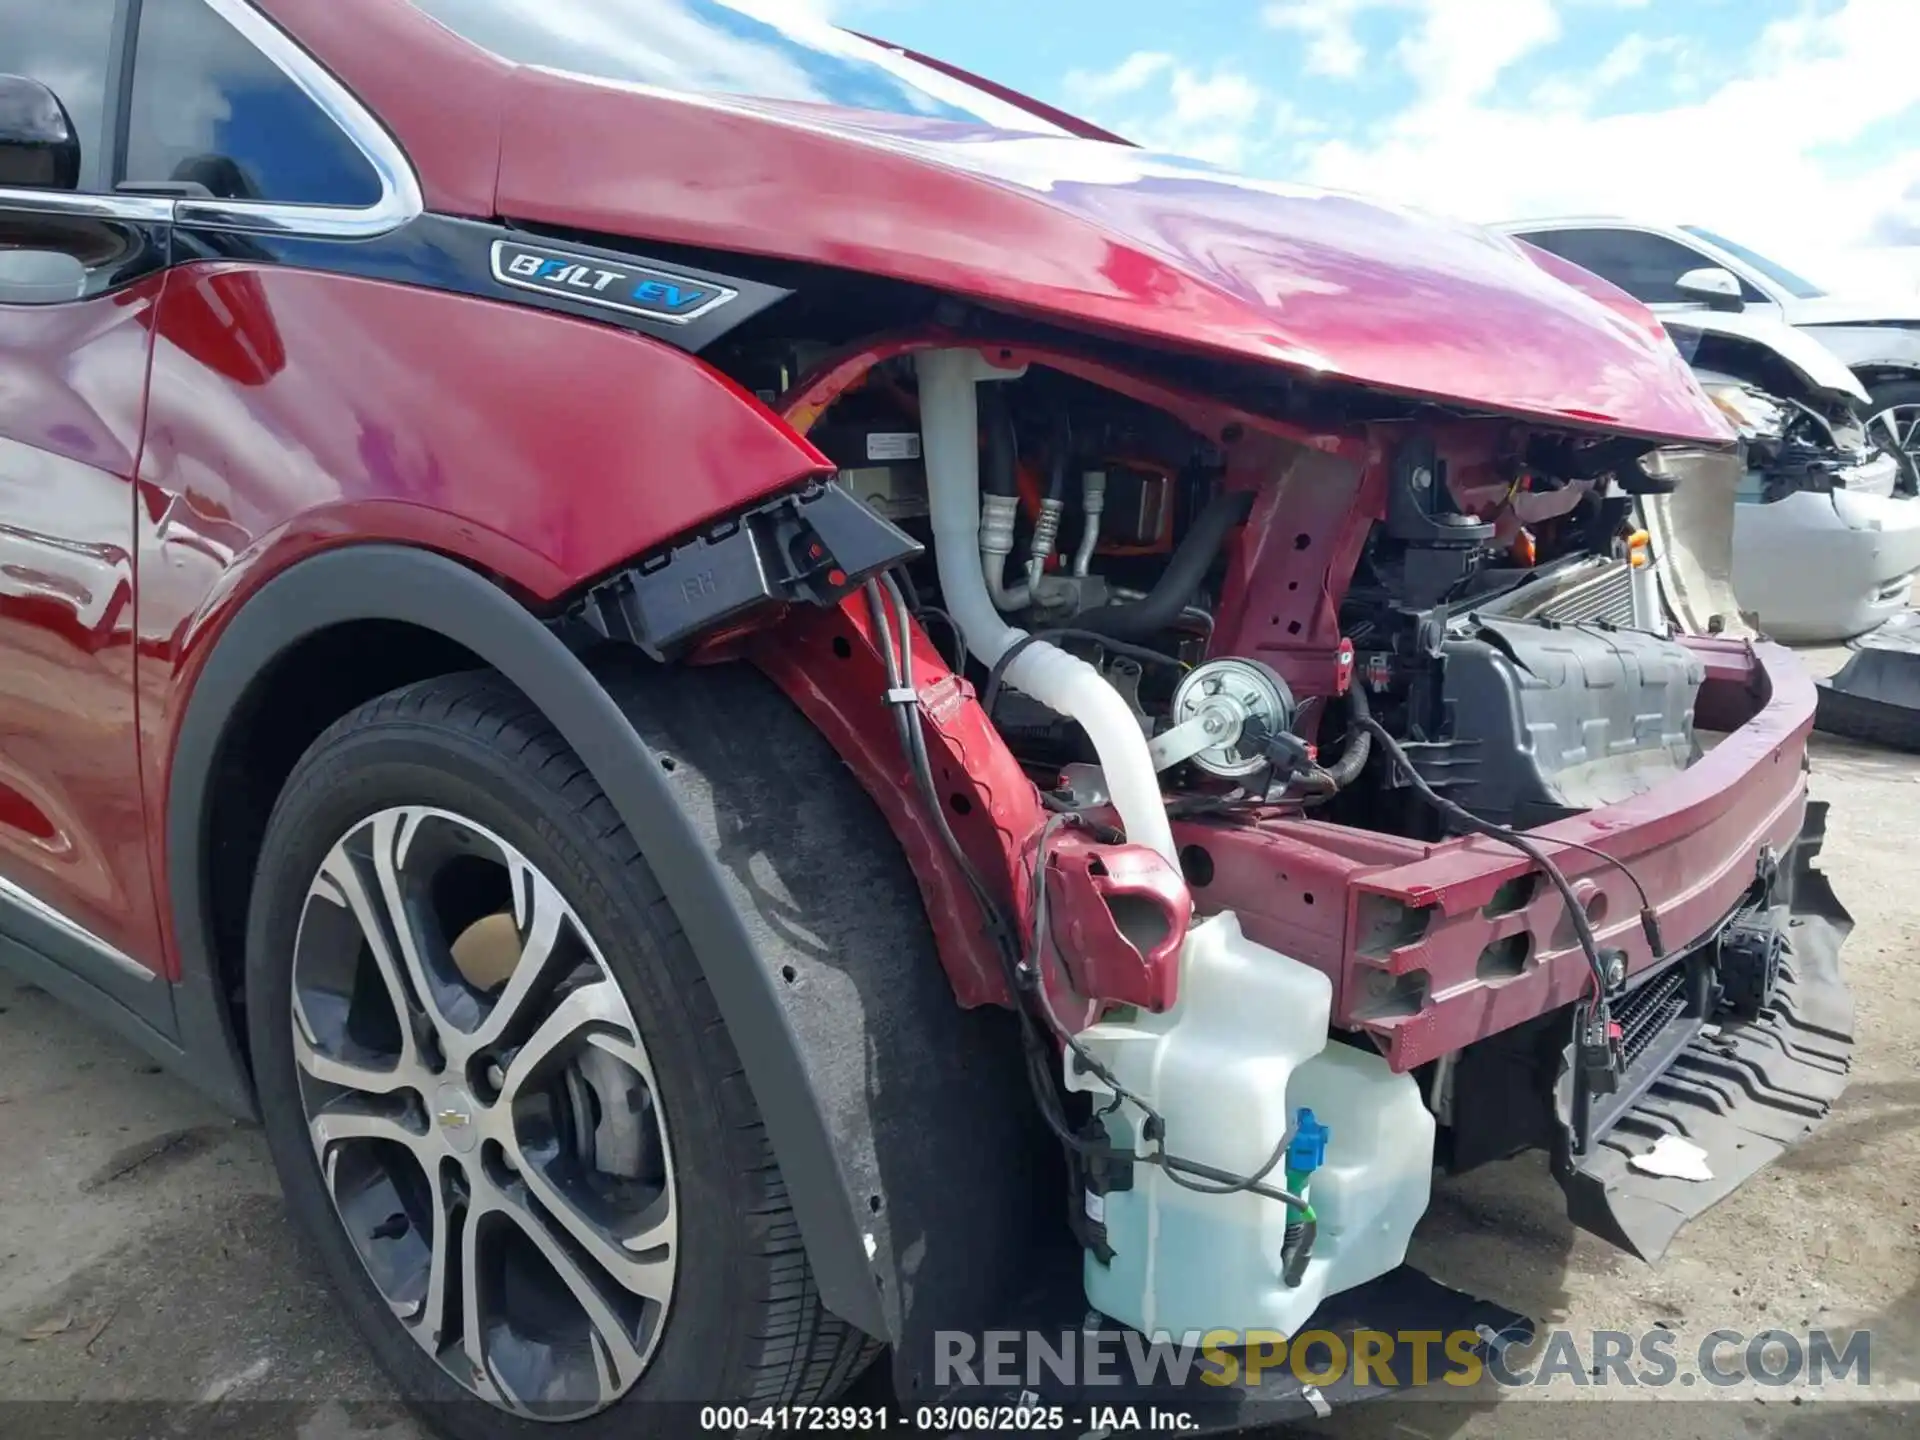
[950,440]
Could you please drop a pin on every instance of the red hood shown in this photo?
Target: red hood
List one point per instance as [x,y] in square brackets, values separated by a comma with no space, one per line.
[1105,236]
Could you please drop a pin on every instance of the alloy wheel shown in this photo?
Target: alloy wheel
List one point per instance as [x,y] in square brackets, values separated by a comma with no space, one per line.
[1898,428]
[484,1113]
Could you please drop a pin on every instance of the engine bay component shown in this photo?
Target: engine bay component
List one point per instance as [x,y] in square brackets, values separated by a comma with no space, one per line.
[1046,530]
[1227,1069]
[1224,717]
[1749,952]
[1579,589]
[1182,578]
[1436,545]
[851,445]
[1543,720]
[898,492]
[1141,502]
[879,464]
[1055,677]
[1093,503]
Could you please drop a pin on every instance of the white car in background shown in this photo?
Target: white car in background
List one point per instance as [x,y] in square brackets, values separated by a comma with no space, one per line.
[1686,267]
[1822,549]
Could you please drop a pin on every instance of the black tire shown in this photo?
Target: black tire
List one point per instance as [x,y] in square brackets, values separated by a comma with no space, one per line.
[744,1324]
[1894,392]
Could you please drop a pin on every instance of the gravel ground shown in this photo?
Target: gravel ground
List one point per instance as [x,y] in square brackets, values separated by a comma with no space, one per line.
[148,1271]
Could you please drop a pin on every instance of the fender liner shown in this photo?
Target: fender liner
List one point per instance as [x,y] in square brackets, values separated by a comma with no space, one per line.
[384,582]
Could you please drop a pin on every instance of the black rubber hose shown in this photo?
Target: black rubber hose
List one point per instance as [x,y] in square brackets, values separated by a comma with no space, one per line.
[997,474]
[1180,581]
[1344,771]
[1294,1261]
[1059,461]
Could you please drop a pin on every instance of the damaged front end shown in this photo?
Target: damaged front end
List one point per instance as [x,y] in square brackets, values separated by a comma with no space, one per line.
[1824,541]
[1275,708]
[1826,537]
[1294,770]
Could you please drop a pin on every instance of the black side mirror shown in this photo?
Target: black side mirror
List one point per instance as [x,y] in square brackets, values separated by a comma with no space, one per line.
[38,149]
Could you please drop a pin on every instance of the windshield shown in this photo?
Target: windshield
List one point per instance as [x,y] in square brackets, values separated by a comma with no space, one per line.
[1779,274]
[757,48]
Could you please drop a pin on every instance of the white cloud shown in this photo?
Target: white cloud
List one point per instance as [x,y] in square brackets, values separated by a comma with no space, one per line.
[1574,92]
[1745,143]
[1130,75]
[1169,106]
[1455,50]
[1453,47]
[1460,48]
[1745,156]
[1629,58]
[1327,25]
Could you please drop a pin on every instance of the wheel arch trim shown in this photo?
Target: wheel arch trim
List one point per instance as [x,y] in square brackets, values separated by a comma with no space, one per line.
[1870,347]
[395,583]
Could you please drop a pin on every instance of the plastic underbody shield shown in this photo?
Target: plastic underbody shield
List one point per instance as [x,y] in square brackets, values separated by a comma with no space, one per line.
[1742,1090]
[1876,695]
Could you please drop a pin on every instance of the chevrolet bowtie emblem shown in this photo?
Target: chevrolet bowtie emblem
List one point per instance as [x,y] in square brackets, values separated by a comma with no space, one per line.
[454,1119]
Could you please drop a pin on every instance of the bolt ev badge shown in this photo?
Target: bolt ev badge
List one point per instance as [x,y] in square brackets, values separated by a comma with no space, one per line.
[633,289]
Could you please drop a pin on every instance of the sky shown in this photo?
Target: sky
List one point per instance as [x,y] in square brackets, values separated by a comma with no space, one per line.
[1792,126]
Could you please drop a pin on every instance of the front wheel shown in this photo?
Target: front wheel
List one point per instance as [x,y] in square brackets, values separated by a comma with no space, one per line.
[499,1095]
[1894,423]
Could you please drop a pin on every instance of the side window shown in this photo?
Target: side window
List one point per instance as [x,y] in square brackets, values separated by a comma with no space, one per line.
[1646,266]
[208,108]
[65,46]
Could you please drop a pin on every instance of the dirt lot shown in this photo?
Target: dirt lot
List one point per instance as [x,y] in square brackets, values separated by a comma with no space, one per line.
[144,1255]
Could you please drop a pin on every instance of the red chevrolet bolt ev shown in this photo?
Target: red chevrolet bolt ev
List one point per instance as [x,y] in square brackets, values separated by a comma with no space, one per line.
[655,631]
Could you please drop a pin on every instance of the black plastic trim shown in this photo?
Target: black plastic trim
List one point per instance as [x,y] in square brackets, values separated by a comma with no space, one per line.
[72,986]
[816,545]
[384,582]
[119,107]
[1875,697]
[439,252]
[33,942]
[122,252]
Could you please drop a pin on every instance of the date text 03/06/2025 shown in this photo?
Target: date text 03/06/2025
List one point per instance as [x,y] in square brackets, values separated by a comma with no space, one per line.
[945,1419]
